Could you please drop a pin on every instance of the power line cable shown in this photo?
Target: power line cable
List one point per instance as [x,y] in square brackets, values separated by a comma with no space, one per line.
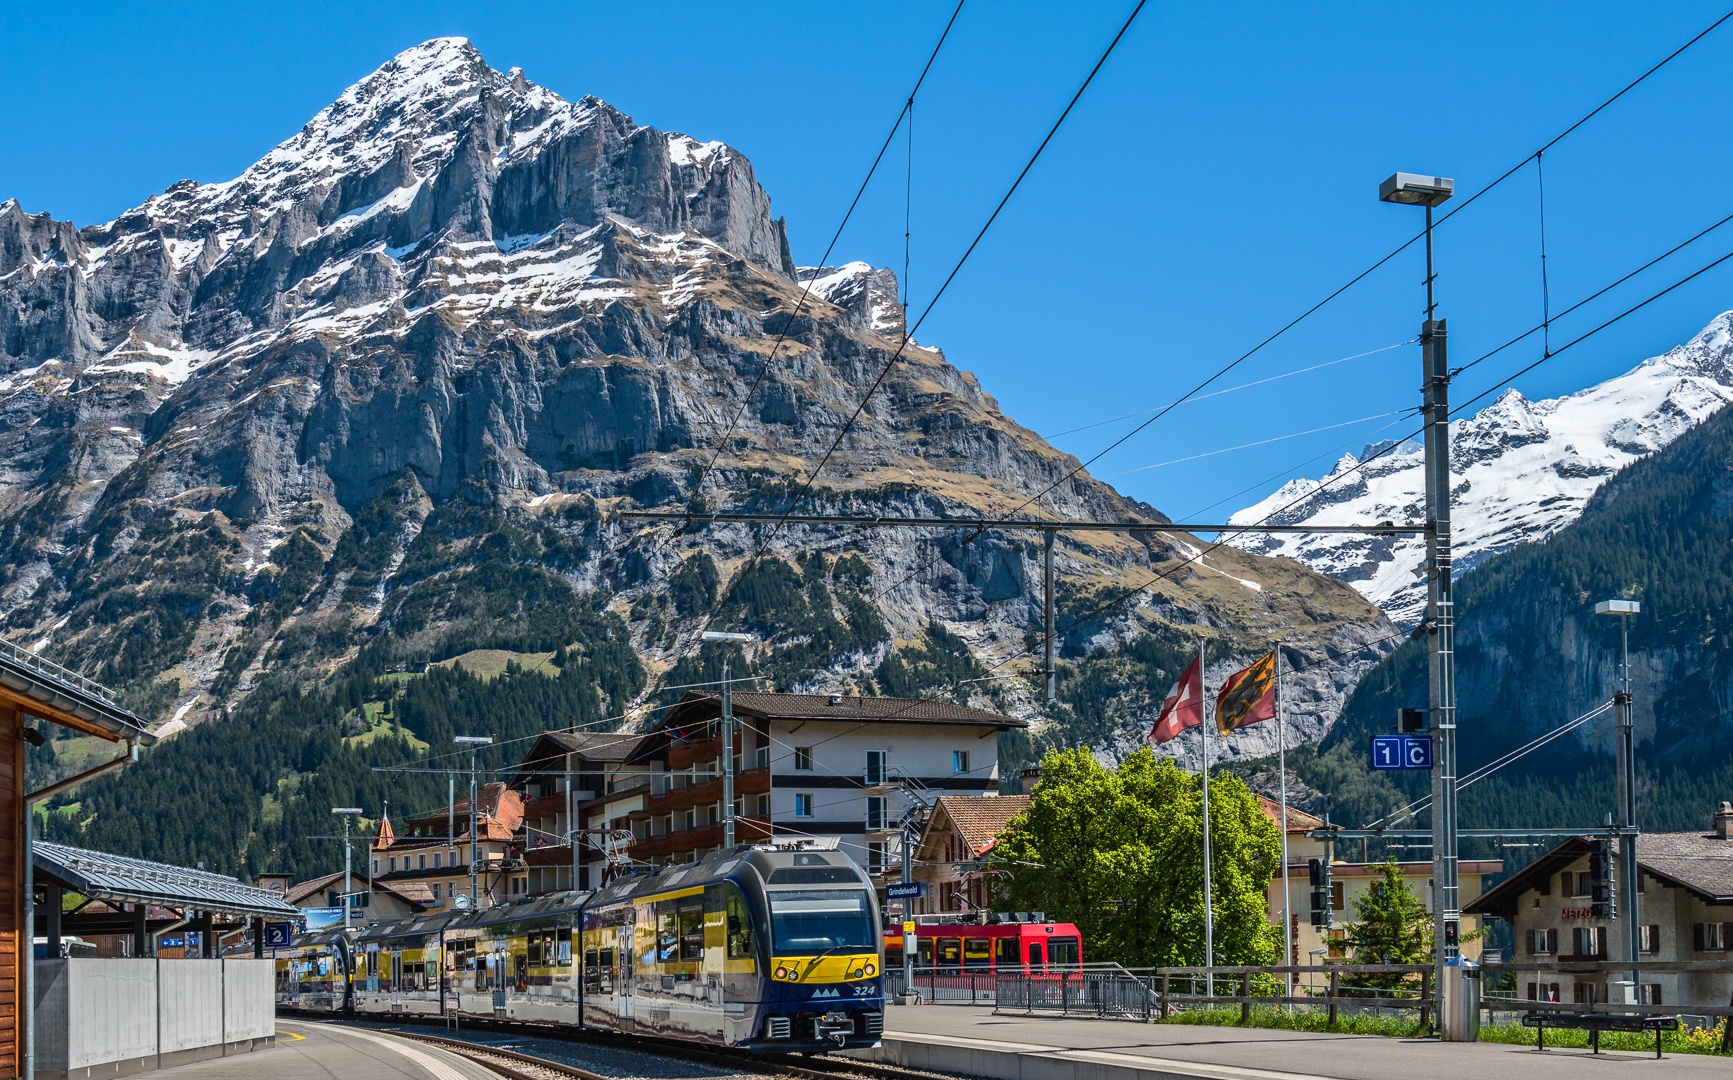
[909,330]
[1263,442]
[907,112]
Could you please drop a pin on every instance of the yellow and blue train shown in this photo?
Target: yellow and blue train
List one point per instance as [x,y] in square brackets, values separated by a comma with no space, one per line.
[768,950]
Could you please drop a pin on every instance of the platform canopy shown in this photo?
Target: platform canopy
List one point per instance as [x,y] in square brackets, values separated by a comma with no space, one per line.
[118,879]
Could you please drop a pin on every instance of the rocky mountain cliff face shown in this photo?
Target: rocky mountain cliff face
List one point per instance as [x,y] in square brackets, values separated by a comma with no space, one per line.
[383,393]
[1524,470]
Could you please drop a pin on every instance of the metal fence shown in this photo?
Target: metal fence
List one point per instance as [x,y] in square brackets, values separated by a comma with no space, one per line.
[974,988]
[1079,993]
[1146,993]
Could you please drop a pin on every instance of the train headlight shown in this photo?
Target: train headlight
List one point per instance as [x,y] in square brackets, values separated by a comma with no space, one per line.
[871,969]
[857,973]
[782,973]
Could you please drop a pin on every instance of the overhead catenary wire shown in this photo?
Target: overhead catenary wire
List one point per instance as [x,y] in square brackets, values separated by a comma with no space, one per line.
[907,112]
[1264,442]
[1319,305]
[909,330]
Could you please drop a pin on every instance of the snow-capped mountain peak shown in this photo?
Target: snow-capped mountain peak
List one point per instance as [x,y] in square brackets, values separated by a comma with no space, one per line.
[1523,470]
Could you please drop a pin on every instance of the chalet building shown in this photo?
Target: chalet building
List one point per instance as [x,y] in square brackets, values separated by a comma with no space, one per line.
[959,833]
[371,901]
[433,853]
[596,780]
[33,689]
[1685,913]
[833,768]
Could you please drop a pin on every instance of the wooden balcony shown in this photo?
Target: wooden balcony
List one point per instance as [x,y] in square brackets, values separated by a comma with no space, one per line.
[747,830]
[683,753]
[749,782]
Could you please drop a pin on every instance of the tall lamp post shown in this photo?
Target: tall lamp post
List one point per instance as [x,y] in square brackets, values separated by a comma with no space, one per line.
[1429,191]
[474,742]
[727,735]
[1623,610]
[348,814]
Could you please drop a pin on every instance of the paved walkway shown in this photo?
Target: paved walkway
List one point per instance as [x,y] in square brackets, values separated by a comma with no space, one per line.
[311,1049]
[970,1040]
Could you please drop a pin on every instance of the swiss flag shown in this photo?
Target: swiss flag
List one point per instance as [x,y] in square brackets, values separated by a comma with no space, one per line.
[1183,707]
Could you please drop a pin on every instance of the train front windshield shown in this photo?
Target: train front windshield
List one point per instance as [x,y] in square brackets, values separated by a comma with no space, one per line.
[820,920]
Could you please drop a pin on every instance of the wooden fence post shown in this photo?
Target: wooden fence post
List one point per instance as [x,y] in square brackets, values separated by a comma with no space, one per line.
[1426,992]
[1333,993]
[1164,990]
[1245,993]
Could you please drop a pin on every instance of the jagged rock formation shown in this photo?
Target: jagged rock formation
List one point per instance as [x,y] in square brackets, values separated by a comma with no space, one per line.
[391,382]
[1524,470]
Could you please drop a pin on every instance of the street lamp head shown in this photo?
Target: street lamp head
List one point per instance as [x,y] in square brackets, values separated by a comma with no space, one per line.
[718,635]
[1618,607]
[346,810]
[1416,190]
[473,740]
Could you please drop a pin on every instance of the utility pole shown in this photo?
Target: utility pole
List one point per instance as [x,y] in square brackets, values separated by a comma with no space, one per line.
[727,737]
[1627,782]
[1047,573]
[1431,191]
[473,742]
[348,813]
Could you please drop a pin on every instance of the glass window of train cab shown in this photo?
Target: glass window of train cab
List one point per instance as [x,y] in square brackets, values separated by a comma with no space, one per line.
[1062,952]
[692,933]
[1037,955]
[950,954]
[1008,954]
[977,953]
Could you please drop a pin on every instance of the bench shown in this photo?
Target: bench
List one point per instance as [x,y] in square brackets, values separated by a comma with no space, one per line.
[1595,1023]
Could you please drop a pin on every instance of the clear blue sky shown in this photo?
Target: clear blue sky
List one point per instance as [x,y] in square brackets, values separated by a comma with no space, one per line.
[1218,178]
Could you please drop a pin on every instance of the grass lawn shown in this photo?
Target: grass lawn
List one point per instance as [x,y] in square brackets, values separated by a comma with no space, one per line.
[1687,1041]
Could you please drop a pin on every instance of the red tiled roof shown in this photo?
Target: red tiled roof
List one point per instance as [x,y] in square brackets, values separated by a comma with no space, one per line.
[979,819]
[500,811]
[1298,820]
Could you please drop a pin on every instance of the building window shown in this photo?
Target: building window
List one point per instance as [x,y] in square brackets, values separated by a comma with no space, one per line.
[393,864]
[421,862]
[876,816]
[1543,991]
[803,759]
[436,860]
[375,866]
[1589,941]
[1336,897]
[875,766]
[436,892]
[764,805]
[959,761]
[1710,937]
[1649,938]
[1649,994]
[1583,993]
[1543,943]
[803,806]
[876,857]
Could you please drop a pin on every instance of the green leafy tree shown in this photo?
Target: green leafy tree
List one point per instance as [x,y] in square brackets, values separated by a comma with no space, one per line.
[1120,853]
[1391,926]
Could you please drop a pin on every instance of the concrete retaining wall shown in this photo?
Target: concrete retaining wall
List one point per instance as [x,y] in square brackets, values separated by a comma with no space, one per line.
[114,1017]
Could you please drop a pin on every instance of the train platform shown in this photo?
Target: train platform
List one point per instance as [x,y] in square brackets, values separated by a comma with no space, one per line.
[309,1048]
[968,1040]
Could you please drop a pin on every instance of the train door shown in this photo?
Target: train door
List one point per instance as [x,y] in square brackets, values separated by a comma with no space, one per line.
[1007,955]
[625,967]
[1037,957]
[499,961]
[395,986]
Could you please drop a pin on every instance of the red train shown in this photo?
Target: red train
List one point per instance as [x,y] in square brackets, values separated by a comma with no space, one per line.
[988,943]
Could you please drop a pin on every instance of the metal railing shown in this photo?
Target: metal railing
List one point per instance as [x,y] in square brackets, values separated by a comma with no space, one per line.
[1147,993]
[27,659]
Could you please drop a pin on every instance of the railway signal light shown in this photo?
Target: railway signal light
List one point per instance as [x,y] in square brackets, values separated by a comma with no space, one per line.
[1601,883]
[1318,870]
[1410,721]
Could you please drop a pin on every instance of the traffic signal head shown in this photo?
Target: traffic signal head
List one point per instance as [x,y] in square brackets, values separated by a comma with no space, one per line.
[1315,870]
[1452,933]
[1318,917]
[1410,721]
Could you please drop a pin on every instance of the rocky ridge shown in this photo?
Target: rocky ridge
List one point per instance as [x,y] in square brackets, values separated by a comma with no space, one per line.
[456,321]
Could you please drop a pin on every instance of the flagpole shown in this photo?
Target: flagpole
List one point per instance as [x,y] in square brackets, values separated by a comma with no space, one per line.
[1209,929]
[1282,766]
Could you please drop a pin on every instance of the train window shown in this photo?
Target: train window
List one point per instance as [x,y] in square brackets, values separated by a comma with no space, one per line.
[606,961]
[592,972]
[692,933]
[950,953]
[667,937]
[1036,958]
[814,875]
[563,948]
[739,925]
[1007,954]
[924,952]
[1062,951]
[893,957]
[977,953]
[533,947]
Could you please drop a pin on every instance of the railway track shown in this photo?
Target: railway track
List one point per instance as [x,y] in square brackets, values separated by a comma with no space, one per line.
[516,1065]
